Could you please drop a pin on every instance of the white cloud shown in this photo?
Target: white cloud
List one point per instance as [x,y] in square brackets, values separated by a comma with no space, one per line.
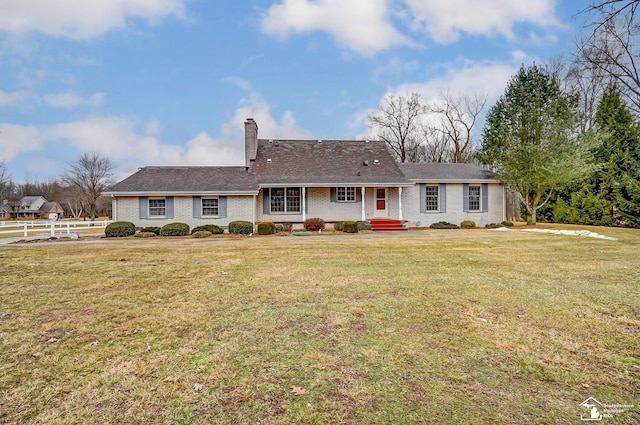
[365,29]
[16,139]
[256,107]
[21,100]
[445,20]
[464,78]
[81,19]
[72,100]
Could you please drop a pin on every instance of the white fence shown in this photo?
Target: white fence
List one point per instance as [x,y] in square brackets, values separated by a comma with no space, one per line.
[49,227]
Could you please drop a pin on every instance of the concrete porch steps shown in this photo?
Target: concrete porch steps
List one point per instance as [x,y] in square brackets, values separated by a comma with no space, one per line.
[378,224]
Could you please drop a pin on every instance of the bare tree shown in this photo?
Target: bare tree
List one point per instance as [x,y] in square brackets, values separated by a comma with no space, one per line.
[90,174]
[451,128]
[6,183]
[398,123]
[612,46]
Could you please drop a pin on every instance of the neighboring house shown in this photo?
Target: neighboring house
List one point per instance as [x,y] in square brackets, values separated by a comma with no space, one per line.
[36,207]
[288,181]
[6,211]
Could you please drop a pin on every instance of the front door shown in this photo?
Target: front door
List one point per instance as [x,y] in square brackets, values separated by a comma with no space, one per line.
[381,202]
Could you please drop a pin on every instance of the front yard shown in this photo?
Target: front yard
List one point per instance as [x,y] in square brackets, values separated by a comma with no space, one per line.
[435,326]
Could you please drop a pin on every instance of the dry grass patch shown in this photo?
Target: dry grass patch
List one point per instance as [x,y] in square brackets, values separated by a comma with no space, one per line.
[437,326]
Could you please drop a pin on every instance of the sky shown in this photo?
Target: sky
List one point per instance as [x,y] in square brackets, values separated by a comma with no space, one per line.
[171,82]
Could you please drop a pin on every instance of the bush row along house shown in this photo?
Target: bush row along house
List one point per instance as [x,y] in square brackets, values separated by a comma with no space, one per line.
[288,181]
[30,208]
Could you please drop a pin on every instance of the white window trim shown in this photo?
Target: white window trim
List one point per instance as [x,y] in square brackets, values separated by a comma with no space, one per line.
[149,207]
[285,203]
[346,194]
[479,209]
[437,210]
[202,207]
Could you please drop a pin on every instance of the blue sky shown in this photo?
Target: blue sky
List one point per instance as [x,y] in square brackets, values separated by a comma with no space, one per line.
[170,82]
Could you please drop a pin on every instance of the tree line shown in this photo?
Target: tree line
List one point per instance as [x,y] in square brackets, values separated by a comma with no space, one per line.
[564,137]
[78,190]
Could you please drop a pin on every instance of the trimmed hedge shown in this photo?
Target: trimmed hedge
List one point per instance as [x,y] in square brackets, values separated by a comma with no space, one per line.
[215,230]
[145,235]
[350,227]
[240,227]
[201,234]
[312,224]
[468,224]
[120,229]
[507,223]
[266,228]
[337,226]
[152,229]
[444,225]
[364,225]
[175,229]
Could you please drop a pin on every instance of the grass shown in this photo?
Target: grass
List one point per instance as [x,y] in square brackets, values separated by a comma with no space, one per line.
[439,326]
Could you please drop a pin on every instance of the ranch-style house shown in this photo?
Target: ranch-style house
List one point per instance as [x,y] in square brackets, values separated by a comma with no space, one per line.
[288,181]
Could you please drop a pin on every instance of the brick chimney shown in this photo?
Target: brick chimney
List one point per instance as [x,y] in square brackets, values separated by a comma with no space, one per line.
[250,141]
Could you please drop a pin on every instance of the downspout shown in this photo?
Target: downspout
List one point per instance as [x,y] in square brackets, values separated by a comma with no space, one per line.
[114,208]
[253,211]
[364,216]
[304,204]
[504,204]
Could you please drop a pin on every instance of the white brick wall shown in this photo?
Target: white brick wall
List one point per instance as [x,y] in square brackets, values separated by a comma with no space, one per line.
[454,213]
[238,208]
[319,205]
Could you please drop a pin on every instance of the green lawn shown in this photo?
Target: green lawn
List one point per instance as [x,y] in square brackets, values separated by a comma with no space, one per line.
[448,326]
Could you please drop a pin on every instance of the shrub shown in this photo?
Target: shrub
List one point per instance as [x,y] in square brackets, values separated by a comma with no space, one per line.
[266,228]
[468,224]
[145,235]
[350,227]
[151,229]
[507,224]
[119,229]
[287,227]
[312,224]
[212,228]
[175,229]
[201,234]
[241,227]
[444,225]
[279,228]
[493,226]
[337,226]
[364,225]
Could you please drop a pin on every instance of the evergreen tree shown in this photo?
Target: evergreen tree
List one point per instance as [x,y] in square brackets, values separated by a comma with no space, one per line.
[530,138]
[618,179]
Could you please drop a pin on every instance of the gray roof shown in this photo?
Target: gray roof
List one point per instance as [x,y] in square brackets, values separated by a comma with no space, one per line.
[6,207]
[444,172]
[48,206]
[187,180]
[327,162]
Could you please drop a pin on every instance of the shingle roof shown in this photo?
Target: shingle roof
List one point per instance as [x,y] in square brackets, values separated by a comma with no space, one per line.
[48,206]
[187,180]
[443,172]
[6,207]
[313,162]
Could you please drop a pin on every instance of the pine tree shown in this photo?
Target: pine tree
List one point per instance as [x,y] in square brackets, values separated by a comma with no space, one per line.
[618,180]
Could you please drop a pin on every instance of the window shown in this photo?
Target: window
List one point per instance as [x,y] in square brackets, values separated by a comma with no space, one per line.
[432,198]
[210,207]
[157,207]
[346,194]
[285,199]
[474,198]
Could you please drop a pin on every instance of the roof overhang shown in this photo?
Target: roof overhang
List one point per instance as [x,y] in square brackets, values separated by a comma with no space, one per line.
[187,193]
[339,184]
[457,181]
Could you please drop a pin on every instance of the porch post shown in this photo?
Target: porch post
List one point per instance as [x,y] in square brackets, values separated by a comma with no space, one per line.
[400,202]
[364,215]
[254,210]
[304,206]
